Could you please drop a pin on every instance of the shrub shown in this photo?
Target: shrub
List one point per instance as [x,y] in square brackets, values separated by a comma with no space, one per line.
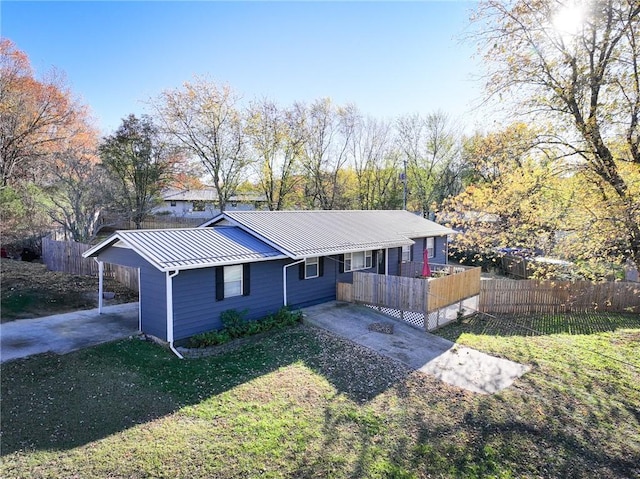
[234,322]
[235,325]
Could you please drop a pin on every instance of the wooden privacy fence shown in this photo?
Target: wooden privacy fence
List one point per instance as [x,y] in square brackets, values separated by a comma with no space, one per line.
[405,294]
[67,256]
[453,288]
[397,295]
[532,296]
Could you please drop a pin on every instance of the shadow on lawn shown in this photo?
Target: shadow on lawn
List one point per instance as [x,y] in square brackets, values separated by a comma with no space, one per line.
[541,324]
[61,402]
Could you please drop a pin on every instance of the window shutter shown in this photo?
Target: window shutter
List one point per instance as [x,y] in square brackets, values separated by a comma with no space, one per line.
[219,283]
[411,253]
[321,266]
[400,254]
[341,263]
[301,268]
[246,279]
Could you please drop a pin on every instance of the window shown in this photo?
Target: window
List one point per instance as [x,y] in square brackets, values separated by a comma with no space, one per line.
[311,268]
[198,205]
[233,281]
[173,203]
[406,253]
[357,260]
[430,247]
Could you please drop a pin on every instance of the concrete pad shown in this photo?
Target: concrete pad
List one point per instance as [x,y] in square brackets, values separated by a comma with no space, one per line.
[62,333]
[456,365]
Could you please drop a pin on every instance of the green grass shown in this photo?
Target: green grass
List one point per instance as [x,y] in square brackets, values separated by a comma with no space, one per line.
[302,403]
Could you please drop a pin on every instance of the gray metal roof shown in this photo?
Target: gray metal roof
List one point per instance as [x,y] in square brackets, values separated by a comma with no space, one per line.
[206,194]
[301,234]
[189,248]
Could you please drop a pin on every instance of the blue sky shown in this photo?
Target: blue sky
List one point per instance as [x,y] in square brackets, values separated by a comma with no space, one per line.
[389,58]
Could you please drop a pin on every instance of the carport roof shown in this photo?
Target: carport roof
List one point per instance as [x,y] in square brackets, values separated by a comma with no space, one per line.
[301,234]
[190,248]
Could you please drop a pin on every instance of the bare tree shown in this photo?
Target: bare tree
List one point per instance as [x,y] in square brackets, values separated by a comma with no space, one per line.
[204,121]
[328,133]
[431,149]
[277,137]
[577,65]
[78,192]
[375,165]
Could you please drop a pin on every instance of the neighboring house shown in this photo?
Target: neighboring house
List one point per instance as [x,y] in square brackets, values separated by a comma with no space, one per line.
[203,203]
[259,261]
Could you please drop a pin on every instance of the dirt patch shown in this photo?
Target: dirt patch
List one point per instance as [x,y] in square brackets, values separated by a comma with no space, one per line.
[29,290]
[386,328]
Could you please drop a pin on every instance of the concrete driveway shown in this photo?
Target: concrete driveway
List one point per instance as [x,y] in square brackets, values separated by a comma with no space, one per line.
[430,354]
[67,332]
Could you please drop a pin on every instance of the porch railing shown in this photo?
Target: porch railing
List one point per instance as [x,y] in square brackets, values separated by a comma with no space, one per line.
[413,269]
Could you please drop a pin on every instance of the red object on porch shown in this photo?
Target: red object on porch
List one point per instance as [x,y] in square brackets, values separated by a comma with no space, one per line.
[426,270]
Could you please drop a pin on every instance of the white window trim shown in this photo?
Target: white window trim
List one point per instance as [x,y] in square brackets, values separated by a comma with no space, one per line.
[406,250]
[368,261]
[241,280]
[311,261]
[432,249]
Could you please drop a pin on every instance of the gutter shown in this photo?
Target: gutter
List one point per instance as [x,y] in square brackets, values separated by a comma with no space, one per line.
[169,293]
[284,278]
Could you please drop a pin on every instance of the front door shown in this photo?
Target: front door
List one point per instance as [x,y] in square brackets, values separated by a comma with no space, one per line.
[381,261]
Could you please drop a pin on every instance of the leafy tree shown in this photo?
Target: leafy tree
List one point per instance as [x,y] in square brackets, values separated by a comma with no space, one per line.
[522,208]
[576,65]
[34,116]
[203,120]
[489,155]
[141,163]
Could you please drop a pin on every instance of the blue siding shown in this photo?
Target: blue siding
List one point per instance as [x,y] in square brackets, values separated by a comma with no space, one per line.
[195,309]
[394,261]
[439,249]
[306,292]
[123,257]
[153,302]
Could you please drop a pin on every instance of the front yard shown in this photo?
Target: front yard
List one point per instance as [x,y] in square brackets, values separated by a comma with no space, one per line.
[303,403]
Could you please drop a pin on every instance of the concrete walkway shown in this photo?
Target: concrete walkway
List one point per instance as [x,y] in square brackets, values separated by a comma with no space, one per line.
[67,332]
[430,354]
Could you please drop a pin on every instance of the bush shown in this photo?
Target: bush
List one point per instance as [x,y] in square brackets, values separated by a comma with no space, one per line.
[235,326]
[234,322]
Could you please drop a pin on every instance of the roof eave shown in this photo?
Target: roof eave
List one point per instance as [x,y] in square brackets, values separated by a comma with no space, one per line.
[165,269]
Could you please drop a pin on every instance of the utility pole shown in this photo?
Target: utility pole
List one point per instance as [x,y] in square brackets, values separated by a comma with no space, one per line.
[404,185]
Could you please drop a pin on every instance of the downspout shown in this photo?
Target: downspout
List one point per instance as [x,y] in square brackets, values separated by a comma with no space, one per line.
[170,277]
[284,278]
[100,283]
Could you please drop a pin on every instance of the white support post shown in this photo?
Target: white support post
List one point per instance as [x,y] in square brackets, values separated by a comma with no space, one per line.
[100,285]
[386,262]
[139,304]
